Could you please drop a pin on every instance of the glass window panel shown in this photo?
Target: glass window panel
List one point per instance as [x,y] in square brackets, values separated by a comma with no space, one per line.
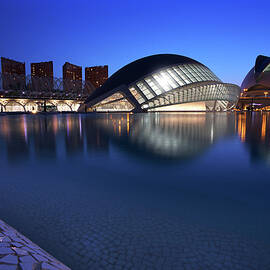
[169,80]
[188,73]
[175,76]
[116,102]
[206,75]
[153,86]
[196,73]
[182,75]
[162,82]
[184,72]
[200,72]
[145,90]
[137,95]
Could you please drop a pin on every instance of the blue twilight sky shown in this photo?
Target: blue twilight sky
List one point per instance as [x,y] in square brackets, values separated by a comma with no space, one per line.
[226,36]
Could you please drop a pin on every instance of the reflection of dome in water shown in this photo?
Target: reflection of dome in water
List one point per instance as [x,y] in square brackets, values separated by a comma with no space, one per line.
[253,129]
[172,136]
[163,82]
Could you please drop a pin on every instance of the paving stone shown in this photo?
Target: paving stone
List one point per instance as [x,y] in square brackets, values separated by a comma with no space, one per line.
[6,250]
[46,266]
[13,244]
[40,258]
[27,259]
[20,251]
[8,267]
[30,266]
[12,259]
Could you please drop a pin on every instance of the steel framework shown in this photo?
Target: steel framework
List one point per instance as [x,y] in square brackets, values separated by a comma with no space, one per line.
[29,87]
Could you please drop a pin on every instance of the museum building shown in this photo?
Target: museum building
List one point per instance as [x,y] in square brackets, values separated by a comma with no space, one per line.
[163,82]
[257,81]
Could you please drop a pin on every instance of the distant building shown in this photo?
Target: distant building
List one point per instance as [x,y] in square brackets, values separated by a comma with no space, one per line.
[13,73]
[42,69]
[96,75]
[42,76]
[257,81]
[72,72]
[72,77]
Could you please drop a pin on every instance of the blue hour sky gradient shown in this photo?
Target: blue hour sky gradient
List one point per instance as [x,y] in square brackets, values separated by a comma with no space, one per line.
[226,36]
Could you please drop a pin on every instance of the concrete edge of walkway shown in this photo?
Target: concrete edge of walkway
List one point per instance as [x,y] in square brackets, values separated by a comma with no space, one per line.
[19,253]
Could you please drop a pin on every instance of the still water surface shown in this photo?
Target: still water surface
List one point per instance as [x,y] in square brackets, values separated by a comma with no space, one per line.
[140,191]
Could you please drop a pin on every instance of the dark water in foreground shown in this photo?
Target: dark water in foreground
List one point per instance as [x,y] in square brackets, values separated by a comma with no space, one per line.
[146,191]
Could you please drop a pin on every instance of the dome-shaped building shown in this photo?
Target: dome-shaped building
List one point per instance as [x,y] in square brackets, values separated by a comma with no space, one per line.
[257,81]
[163,82]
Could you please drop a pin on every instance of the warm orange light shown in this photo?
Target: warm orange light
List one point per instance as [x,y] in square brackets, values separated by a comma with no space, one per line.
[263,131]
[242,127]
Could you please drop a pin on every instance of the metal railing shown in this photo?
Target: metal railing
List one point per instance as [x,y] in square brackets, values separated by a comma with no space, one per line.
[20,86]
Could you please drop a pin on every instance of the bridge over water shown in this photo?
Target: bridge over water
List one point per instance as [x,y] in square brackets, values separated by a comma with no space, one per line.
[20,93]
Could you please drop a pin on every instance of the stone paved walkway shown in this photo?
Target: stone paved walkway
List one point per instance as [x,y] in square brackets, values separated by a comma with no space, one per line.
[19,253]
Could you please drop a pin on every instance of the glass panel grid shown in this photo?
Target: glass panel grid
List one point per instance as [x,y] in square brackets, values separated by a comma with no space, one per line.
[182,75]
[175,76]
[162,82]
[137,95]
[153,86]
[145,90]
[169,80]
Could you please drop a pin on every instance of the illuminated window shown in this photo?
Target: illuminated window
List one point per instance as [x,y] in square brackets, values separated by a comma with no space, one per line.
[145,90]
[153,86]
[168,79]
[116,102]
[162,82]
[175,76]
[137,95]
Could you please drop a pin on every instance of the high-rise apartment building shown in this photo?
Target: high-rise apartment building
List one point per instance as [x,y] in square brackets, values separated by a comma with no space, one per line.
[13,74]
[72,77]
[96,75]
[42,76]
[42,69]
[72,72]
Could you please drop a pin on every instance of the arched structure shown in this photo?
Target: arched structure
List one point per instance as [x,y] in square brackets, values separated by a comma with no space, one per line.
[257,81]
[163,82]
[14,106]
[38,105]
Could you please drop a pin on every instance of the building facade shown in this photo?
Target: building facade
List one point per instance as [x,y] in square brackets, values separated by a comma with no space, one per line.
[72,77]
[163,82]
[42,76]
[256,86]
[13,74]
[97,75]
[257,81]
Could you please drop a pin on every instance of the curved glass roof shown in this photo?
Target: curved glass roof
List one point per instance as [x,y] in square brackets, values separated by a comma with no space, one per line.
[139,68]
[170,78]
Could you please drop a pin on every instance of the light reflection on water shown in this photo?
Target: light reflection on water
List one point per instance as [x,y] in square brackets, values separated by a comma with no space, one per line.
[164,135]
[138,184]
[171,136]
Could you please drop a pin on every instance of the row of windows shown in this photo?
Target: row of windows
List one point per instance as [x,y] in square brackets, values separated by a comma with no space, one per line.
[110,99]
[170,78]
[137,95]
[200,93]
[120,105]
[115,102]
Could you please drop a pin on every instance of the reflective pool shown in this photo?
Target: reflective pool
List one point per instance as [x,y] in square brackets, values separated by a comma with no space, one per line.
[140,191]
